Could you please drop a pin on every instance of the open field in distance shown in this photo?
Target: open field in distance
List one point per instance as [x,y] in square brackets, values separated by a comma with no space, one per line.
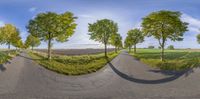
[174,59]
[73,52]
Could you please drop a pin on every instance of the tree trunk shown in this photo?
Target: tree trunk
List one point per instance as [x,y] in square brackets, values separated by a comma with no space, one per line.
[49,49]
[32,48]
[9,46]
[105,50]
[134,49]
[115,49]
[162,53]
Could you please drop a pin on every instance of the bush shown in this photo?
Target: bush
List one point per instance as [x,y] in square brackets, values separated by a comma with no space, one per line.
[151,47]
[171,47]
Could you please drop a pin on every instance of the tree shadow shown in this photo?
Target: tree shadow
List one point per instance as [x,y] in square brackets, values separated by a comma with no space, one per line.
[2,68]
[173,76]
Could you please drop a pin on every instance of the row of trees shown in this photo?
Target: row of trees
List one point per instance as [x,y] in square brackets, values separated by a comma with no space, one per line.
[50,27]
[162,25]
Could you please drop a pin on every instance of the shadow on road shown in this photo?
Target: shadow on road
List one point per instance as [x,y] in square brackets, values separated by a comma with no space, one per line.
[2,68]
[173,76]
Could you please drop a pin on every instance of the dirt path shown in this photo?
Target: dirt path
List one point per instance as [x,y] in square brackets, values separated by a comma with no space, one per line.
[123,78]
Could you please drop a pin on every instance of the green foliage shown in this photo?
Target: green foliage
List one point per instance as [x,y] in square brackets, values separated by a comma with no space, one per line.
[102,30]
[198,38]
[7,55]
[32,41]
[51,26]
[134,37]
[10,35]
[174,59]
[164,25]
[73,65]
[170,47]
[116,40]
[151,47]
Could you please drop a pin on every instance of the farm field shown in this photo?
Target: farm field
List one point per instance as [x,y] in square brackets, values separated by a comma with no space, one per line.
[73,65]
[73,52]
[174,59]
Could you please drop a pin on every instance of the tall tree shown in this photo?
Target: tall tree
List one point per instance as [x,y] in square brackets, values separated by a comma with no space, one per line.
[10,33]
[164,25]
[116,40]
[32,41]
[102,30]
[51,26]
[135,36]
[128,44]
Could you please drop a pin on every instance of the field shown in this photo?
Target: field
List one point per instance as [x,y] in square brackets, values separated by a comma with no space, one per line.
[72,52]
[174,59]
[73,65]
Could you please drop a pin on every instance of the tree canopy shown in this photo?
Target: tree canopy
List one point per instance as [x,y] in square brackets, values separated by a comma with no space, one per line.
[10,35]
[51,26]
[102,30]
[164,25]
[32,41]
[116,40]
[134,36]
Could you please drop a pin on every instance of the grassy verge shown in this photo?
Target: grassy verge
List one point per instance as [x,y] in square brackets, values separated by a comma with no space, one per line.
[73,65]
[174,59]
[7,55]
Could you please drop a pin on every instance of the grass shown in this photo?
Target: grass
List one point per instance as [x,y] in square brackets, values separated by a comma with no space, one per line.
[7,55]
[174,59]
[73,65]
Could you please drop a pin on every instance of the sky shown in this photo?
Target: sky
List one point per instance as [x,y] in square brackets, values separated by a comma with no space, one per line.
[127,13]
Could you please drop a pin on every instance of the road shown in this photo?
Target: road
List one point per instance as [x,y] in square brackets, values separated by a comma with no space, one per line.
[123,78]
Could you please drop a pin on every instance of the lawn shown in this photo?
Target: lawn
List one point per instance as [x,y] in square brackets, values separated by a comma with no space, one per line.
[7,55]
[174,59]
[73,65]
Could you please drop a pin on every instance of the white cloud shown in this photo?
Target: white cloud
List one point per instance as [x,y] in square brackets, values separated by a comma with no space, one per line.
[33,9]
[194,24]
[2,23]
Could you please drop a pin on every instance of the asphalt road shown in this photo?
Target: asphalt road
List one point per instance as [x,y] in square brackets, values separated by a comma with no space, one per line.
[123,78]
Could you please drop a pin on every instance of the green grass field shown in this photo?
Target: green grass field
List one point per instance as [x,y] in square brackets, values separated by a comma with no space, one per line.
[5,55]
[174,59]
[73,65]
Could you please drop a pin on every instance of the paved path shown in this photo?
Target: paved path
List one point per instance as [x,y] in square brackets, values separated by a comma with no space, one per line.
[123,78]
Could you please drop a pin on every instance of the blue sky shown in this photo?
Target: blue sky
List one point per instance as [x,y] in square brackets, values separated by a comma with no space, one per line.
[127,13]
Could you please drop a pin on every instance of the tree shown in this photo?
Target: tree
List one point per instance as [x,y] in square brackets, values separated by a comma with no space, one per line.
[102,30]
[135,36]
[127,43]
[51,27]
[164,25]
[116,40]
[198,38]
[17,40]
[10,34]
[32,41]
[151,47]
[170,47]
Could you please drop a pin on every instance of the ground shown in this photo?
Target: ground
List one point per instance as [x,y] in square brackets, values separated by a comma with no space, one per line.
[72,52]
[173,59]
[124,78]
